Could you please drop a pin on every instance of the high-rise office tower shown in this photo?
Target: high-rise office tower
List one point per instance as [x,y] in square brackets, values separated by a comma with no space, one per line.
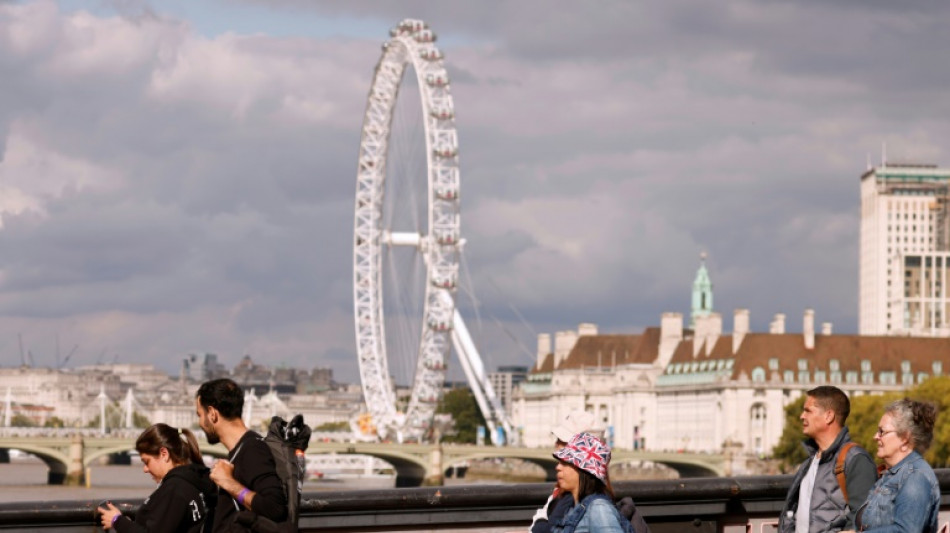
[904,251]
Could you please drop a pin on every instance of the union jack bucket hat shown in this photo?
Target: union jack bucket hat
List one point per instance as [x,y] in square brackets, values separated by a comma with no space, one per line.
[587,453]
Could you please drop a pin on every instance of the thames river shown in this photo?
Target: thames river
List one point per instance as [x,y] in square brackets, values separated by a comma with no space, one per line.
[25,481]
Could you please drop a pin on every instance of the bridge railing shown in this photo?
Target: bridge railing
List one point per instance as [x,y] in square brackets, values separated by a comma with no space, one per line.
[702,505]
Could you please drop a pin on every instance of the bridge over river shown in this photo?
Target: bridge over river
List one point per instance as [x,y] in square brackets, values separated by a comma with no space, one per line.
[69,453]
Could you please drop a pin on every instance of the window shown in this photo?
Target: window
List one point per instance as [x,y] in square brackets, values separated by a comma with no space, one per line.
[802,364]
[834,365]
[758,415]
[758,375]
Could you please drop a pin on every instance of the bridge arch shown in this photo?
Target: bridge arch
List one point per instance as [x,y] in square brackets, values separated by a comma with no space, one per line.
[686,465]
[56,461]
[548,464]
[411,470]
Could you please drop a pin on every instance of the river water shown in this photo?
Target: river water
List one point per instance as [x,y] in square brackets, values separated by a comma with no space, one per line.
[25,481]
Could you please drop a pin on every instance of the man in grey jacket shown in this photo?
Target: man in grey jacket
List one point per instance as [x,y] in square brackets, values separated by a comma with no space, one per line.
[822,499]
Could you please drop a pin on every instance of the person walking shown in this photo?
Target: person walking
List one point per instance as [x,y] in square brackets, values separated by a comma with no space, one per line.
[835,479]
[184,495]
[560,502]
[248,479]
[907,497]
[582,473]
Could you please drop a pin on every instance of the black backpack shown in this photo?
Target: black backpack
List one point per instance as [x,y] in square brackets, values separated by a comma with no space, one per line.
[287,443]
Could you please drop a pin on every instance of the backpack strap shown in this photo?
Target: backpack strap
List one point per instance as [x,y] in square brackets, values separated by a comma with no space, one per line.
[237,506]
[839,468]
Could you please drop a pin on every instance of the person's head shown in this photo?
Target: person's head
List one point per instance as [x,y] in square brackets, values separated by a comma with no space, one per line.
[217,401]
[907,425]
[575,422]
[162,447]
[825,412]
[582,467]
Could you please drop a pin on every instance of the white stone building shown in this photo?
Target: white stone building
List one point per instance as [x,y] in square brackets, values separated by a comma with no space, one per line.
[701,389]
[904,251]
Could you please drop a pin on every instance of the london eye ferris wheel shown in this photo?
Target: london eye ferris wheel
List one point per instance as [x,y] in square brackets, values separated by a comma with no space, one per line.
[407,240]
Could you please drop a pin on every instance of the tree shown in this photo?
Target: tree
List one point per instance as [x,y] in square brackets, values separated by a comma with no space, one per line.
[937,390]
[789,449]
[139,420]
[20,420]
[333,426]
[461,404]
[866,412]
[54,422]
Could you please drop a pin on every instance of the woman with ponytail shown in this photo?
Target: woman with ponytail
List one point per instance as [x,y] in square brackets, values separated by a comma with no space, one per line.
[185,493]
[907,496]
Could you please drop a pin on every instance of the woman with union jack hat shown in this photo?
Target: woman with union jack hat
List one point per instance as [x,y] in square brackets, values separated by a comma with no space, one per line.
[582,472]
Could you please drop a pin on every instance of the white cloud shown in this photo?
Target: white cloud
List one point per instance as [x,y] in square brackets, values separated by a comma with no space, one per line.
[164,191]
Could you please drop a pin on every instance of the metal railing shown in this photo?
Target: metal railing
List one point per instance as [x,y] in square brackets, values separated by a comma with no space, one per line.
[701,505]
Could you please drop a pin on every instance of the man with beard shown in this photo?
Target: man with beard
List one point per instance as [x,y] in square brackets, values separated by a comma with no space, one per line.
[248,479]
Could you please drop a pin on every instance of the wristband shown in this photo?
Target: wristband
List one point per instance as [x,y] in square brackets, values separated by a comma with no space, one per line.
[114,518]
[242,494]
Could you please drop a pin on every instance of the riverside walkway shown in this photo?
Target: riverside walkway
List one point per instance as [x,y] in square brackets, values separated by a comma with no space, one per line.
[701,505]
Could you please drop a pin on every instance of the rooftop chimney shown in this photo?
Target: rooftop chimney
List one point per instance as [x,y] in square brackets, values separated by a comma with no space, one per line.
[740,326]
[778,324]
[714,332]
[808,329]
[700,328]
[544,348]
[564,342]
[586,329]
[826,328]
[671,334]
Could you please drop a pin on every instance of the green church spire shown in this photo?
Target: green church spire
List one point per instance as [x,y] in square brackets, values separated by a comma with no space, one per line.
[702,293]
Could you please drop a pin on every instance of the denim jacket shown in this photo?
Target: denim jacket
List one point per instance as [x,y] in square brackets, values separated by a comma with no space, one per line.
[906,498]
[595,513]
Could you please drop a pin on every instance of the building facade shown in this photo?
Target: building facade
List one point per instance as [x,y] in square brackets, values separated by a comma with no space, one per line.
[503,382]
[702,389]
[905,240]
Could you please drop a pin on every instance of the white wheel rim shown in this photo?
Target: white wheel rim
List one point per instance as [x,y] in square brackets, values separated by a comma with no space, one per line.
[411,43]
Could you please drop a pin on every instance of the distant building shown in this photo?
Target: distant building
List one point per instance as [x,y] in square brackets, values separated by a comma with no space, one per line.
[73,394]
[905,251]
[504,380]
[702,389]
[202,367]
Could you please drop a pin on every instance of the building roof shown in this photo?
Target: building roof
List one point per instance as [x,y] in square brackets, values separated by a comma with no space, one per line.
[784,352]
[613,350]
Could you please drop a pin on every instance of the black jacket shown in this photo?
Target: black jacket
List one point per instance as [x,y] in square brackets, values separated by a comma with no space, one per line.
[254,467]
[180,504]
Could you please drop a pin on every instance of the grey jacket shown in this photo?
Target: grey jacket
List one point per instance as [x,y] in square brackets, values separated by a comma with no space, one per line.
[829,512]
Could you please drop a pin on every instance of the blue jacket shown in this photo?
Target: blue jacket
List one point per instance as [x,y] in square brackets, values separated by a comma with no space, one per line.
[905,499]
[596,513]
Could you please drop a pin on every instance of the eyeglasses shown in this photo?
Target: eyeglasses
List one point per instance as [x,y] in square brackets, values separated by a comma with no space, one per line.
[881,432]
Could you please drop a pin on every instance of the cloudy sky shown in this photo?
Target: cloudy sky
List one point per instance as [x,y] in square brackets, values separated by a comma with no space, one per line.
[178,176]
